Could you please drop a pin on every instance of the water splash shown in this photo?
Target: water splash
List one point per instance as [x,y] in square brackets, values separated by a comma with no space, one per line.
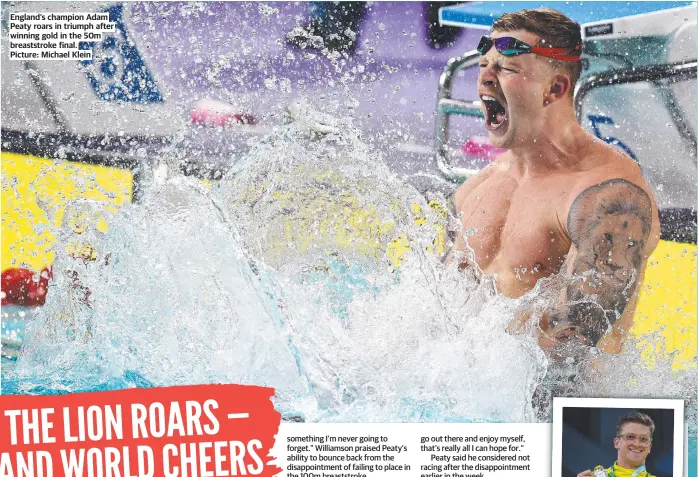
[309,268]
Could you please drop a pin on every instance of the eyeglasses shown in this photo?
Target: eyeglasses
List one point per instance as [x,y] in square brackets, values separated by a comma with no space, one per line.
[510,46]
[633,437]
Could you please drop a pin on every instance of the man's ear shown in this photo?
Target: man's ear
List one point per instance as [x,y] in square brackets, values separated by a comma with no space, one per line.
[616,443]
[559,88]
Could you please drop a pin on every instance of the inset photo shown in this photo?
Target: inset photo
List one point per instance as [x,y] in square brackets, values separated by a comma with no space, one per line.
[618,437]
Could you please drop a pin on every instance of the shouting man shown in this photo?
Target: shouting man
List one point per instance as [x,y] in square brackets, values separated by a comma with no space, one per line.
[559,200]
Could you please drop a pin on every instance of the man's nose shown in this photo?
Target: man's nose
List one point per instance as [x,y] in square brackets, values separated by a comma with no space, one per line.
[487,76]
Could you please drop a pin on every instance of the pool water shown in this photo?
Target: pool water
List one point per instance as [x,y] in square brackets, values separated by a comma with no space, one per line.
[311,268]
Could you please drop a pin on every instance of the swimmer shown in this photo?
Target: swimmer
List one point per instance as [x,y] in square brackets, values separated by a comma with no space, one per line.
[633,441]
[559,201]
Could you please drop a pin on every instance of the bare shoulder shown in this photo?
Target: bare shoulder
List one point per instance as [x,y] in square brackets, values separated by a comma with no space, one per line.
[604,162]
[496,166]
[611,185]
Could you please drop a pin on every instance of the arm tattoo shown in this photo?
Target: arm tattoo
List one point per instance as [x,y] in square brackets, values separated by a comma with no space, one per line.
[609,224]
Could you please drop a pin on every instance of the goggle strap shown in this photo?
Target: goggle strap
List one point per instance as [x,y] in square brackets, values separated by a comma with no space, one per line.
[561,54]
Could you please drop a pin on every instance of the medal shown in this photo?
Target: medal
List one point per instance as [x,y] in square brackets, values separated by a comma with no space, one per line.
[599,471]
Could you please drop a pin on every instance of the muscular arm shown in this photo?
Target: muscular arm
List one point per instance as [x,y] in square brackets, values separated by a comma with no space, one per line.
[455,205]
[611,228]
[453,227]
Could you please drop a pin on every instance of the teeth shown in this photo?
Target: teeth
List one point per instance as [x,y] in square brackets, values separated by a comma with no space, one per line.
[488,98]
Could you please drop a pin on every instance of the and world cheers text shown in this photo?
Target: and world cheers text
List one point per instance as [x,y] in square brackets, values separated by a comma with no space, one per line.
[188,431]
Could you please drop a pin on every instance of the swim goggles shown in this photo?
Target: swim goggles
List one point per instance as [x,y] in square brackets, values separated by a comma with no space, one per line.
[510,46]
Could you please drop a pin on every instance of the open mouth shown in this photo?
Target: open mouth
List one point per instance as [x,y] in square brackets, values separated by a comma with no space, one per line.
[495,112]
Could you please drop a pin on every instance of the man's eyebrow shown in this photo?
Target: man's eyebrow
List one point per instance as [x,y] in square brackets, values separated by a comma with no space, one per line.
[511,63]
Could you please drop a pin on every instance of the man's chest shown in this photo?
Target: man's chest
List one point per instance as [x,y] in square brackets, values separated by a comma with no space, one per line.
[514,226]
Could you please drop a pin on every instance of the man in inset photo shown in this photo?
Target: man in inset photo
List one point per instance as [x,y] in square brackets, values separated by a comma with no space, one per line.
[634,432]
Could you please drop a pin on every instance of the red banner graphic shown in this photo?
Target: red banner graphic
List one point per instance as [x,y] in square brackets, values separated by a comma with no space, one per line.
[184,431]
